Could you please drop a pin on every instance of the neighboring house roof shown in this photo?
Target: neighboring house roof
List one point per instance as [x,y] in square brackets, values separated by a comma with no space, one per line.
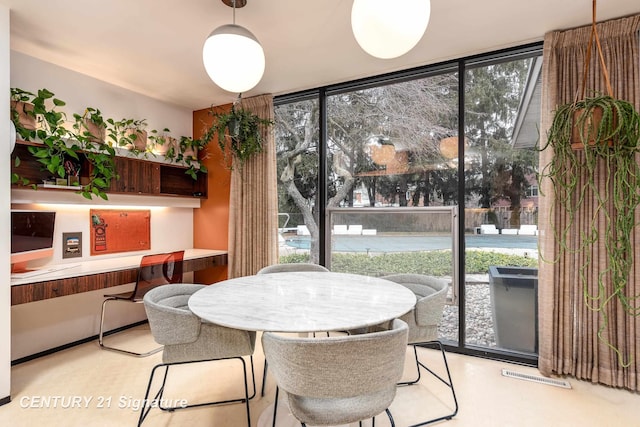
[526,132]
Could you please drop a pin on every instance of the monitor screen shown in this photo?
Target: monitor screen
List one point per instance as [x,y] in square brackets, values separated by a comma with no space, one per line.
[31,235]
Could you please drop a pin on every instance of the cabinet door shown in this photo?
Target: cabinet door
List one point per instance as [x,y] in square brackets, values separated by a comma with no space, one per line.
[136,176]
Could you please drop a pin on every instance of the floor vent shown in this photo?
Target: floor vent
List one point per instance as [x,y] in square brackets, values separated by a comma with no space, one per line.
[536,379]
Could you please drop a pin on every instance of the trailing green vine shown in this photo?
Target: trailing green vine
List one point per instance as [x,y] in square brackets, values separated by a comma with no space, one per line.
[608,171]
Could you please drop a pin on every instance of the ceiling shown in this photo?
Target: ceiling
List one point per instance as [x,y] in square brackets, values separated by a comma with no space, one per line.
[154,47]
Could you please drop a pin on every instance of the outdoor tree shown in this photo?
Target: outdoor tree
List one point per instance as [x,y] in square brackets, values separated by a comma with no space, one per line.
[411,117]
[498,170]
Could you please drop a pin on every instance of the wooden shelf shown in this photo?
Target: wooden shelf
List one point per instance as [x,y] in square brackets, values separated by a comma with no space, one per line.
[138,176]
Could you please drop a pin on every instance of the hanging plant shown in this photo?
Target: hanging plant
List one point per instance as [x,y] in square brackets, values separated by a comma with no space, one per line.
[595,142]
[239,134]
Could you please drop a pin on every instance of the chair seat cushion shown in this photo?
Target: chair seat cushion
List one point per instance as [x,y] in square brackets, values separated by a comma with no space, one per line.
[323,411]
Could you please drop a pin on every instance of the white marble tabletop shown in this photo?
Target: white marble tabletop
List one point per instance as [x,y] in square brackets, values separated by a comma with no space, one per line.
[302,302]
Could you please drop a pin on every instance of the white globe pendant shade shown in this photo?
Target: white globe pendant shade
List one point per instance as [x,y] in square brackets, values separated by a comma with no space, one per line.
[233,58]
[389,28]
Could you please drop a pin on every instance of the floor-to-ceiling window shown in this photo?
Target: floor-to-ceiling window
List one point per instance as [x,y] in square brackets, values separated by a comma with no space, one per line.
[460,135]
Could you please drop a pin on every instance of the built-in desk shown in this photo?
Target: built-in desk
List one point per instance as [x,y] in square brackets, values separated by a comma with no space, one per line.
[99,274]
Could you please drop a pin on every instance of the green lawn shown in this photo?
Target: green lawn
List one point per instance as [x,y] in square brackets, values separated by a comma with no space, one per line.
[433,263]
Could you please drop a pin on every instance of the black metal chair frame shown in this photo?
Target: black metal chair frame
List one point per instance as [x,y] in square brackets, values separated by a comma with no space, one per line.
[448,383]
[157,400]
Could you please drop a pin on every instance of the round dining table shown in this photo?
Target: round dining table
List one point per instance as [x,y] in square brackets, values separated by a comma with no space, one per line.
[302,302]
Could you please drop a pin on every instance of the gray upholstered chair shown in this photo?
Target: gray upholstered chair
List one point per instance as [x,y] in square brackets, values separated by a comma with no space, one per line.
[187,339]
[338,380]
[297,266]
[431,294]
[285,268]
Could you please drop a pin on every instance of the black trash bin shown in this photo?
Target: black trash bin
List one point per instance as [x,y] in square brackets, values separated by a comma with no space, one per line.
[514,304]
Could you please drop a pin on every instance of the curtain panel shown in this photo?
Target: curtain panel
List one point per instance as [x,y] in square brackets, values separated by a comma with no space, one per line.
[253,206]
[568,329]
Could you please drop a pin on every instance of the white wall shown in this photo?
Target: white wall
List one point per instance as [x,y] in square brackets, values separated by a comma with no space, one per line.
[80,91]
[42,325]
[5,290]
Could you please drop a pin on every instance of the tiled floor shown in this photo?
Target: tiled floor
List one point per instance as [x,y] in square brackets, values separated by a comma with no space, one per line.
[105,387]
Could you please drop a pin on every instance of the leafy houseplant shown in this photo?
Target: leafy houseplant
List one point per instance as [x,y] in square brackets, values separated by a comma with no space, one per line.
[239,133]
[164,144]
[51,133]
[128,133]
[61,150]
[607,171]
[22,112]
[91,125]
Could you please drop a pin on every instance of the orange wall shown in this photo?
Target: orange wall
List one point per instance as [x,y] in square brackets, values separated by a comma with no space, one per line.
[211,221]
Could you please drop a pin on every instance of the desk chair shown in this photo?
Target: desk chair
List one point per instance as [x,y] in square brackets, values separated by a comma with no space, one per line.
[338,380]
[154,270]
[286,268]
[431,294]
[188,339]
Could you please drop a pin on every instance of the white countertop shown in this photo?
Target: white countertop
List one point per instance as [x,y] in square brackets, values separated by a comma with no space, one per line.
[98,265]
[302,302]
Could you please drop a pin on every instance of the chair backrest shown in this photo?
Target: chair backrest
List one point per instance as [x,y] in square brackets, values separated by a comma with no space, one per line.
[431,293]
[156,270]
[170,320]
[338,367]
[285,268]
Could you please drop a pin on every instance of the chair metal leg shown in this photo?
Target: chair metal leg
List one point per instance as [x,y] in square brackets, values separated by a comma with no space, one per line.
[264,377]
[275,408]
[412,382]
[157,400]
[448,382]
[393,424]
[119,350]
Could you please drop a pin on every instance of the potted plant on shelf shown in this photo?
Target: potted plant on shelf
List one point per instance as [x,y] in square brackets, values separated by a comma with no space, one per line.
[63,151]
[22,114]
[136,132]
[56,142]
[585,135]
[128,133]
[239,133]
[91,125]
[163,144]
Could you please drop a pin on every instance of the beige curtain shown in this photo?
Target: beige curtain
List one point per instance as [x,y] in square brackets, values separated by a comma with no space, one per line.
[569,344]
[253,206]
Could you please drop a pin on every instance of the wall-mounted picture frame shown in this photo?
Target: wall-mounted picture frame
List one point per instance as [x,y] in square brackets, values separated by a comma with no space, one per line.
[72,245]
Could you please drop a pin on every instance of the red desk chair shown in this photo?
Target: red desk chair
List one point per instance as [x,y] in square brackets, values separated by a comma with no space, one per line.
[154,270]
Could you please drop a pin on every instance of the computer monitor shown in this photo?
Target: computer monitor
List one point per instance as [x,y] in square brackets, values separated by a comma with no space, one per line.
[31,237]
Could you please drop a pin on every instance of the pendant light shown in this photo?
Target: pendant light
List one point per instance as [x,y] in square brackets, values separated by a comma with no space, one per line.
[233,56]
[389,28]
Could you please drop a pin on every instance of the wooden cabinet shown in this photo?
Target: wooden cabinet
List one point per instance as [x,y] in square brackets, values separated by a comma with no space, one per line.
[137,176]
